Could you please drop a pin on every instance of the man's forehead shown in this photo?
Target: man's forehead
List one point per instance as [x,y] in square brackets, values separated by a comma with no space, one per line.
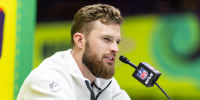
[111,30]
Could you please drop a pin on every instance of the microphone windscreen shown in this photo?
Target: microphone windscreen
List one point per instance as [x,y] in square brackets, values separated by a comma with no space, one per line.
[123,59]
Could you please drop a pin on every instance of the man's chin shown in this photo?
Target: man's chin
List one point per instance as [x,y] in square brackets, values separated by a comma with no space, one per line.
[108,74]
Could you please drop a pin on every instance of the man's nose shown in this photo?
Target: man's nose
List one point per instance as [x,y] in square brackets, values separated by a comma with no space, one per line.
[114,48]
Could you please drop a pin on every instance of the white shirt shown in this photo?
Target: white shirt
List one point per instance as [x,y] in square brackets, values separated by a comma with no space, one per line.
[59,78]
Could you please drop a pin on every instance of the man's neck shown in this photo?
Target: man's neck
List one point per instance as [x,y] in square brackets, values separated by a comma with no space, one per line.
[84,70]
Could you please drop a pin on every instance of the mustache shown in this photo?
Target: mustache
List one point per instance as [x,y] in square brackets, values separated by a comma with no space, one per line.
[110,54]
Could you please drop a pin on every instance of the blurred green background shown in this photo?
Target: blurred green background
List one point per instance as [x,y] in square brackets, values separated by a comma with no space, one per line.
[163,33]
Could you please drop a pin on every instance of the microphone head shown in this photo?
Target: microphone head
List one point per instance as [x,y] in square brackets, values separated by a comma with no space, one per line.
[123,59]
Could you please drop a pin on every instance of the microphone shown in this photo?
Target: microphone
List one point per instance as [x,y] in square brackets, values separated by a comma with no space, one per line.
[145,73]
[125,60]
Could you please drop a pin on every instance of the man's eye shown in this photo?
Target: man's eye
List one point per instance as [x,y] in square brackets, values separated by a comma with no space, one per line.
[118,42]
[107,39]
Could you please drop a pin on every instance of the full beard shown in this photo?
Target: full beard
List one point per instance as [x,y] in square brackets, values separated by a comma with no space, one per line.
[97,66]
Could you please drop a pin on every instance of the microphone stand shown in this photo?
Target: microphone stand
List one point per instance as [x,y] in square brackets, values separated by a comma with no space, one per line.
[162,90]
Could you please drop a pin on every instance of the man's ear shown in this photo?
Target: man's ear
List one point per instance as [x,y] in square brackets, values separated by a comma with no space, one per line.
[79,40]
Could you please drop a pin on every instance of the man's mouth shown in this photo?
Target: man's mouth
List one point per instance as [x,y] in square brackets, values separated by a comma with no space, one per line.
[110,59]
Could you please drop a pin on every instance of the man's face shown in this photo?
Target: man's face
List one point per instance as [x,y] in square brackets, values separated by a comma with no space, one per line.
[101,48]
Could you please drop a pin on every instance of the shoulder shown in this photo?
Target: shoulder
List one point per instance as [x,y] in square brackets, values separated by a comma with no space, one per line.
[46,82]
[57,68]
[43,78]
[51,78]
[52,70]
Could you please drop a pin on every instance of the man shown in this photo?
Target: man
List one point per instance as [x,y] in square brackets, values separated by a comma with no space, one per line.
[86,71]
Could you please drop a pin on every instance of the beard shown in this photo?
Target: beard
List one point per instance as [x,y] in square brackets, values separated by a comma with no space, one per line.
[96,65]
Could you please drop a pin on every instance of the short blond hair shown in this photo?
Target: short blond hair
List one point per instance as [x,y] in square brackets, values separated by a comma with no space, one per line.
[83,19]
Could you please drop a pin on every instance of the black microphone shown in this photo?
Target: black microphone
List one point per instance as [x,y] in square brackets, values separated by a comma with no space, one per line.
[145,73]
[125,60]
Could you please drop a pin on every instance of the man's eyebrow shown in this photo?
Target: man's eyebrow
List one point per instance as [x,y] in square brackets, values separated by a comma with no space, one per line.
[107,36]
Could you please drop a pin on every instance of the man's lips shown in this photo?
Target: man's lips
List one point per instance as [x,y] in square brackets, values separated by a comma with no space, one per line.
[110,58]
